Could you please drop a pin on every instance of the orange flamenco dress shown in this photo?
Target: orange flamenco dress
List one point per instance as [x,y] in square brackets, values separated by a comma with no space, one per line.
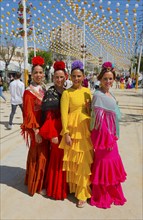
[38,152]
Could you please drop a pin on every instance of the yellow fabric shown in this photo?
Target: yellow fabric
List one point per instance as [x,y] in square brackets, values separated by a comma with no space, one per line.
[77,158]
[122,85]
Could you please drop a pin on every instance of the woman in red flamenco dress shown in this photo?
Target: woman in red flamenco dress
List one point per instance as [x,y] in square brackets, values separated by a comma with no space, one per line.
[55,182]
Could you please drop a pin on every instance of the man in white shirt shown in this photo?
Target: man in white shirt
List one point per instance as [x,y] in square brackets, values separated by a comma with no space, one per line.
[16,89]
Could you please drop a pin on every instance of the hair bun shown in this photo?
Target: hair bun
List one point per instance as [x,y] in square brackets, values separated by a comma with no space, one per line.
[38,61]
[59,65]
[77,64]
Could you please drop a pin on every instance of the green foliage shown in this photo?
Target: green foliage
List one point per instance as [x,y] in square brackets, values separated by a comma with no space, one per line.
[5,86]
[135,63]
[46,55]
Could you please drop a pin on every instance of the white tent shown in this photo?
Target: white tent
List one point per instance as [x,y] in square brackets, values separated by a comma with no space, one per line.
[2,65]
[14,66]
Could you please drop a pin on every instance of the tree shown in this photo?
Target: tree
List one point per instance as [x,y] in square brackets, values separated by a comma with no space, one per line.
[135,64]
[6,52]
[48,61]
[46,55]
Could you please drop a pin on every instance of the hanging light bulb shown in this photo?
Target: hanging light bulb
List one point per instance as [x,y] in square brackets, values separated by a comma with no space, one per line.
[136,5]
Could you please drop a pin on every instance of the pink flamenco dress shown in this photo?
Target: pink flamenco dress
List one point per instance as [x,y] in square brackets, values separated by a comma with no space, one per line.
[107,171]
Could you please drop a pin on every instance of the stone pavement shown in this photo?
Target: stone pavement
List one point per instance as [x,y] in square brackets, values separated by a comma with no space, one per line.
[16,204]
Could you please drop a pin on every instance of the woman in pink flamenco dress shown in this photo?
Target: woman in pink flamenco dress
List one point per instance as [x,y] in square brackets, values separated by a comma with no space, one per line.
[107,171]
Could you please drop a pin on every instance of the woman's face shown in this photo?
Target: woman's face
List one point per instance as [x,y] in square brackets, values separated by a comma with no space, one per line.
[77,78]
[59,78]
[38,74]
[107,80]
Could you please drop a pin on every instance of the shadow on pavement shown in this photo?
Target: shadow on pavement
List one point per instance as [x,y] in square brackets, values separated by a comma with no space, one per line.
[127,118]
[133,107]
[135,95]
[72,198]
[13,177]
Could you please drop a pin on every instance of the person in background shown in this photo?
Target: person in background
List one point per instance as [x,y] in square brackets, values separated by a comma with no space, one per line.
[117,81]
[55,180]
[76,142]
[68,82]
[16,88]
[129,83]
[122,82]
[107,170]
[37,158]
[96,83]
[1,88]
[85,82]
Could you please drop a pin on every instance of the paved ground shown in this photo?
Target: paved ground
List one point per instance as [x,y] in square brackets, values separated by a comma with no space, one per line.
[16,204]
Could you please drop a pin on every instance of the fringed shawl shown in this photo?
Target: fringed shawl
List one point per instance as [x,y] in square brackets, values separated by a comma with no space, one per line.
[105,108]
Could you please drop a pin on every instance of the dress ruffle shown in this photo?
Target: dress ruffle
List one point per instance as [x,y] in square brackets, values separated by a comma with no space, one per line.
[36,167]
[56,186]
[75,120]
[77,161]
[107,174]
[108,168]
[105,196]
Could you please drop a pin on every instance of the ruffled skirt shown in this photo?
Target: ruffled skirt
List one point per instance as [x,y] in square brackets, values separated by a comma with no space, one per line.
[107,174]
[77,161]
[36,166]
[56,186]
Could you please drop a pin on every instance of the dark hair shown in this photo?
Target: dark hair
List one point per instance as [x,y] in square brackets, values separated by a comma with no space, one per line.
[77,69]
[103,71]
[32,69]
[61,70]
[17,75]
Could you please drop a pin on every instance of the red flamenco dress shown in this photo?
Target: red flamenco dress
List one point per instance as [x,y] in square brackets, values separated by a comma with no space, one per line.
[38,152]
[56,186]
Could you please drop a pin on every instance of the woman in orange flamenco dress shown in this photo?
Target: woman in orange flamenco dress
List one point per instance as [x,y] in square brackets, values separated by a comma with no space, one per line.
[32,120]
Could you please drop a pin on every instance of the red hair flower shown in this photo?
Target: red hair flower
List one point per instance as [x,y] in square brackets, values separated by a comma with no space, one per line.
[38,61]
[59,65]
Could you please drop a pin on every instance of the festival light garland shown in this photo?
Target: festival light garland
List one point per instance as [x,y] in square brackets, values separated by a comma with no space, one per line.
[117,36]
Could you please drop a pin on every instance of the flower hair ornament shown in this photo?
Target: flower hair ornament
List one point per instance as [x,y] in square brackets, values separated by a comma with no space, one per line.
[108,66]
[59,65]
[38,61]
[77,64]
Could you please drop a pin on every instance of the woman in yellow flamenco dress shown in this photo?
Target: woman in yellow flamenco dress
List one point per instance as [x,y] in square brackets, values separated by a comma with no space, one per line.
[76,142]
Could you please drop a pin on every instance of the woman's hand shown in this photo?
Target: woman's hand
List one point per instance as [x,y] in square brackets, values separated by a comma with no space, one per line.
[38,137]
[68,139]
[55,140]
[88,105]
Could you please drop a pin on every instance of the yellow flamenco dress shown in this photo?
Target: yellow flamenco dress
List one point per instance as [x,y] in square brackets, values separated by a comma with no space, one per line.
[77,158]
